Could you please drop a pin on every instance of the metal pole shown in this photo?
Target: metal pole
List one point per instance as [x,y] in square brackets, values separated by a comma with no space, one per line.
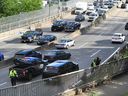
[49,3]
[58,6]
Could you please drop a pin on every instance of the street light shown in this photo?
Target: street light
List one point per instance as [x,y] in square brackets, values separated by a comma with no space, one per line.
[49,4]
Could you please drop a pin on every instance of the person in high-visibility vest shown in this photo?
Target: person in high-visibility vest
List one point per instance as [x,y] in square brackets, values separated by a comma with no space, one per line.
[93,66]
[13,75]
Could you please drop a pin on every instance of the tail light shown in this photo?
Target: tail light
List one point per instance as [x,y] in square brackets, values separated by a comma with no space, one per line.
[24,72]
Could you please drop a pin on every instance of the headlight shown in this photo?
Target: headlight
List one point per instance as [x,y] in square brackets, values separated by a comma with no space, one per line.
[29,37]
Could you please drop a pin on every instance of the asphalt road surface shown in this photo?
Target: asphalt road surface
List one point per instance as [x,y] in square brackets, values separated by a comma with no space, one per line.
[96,42]
[11,45]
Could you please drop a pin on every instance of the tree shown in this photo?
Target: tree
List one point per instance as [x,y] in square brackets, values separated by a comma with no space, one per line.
[12,7]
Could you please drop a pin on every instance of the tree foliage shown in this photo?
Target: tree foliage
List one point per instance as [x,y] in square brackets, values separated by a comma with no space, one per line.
[11,7]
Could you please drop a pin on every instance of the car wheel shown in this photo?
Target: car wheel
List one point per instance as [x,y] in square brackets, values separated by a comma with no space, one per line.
[73,44]
[67,46]
[29,77]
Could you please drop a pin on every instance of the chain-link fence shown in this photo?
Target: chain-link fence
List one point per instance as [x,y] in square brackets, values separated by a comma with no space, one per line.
[27,18]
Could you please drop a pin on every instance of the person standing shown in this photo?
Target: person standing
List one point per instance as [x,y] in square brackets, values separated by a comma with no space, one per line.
[13,75]
[97,60]
[93,66]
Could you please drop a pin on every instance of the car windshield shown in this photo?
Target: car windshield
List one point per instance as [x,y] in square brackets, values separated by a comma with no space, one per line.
[92,14]
[58,22]
[51,69]
[45,37]
[78,8]
[29,60]
[79,16]
[70,23]
[63,41]
[90,4]
[28,32]
[116,35]
[50,53]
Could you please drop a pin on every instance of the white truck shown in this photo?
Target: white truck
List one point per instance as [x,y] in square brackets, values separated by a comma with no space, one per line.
[81,7]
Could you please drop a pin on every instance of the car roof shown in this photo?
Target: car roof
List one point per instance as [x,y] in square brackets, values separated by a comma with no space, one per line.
[30,58]
[22,52]
[66,39]
[117,33]
[58,63]
[53,50]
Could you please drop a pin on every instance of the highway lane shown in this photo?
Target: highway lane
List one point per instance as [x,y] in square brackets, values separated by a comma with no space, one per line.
[11,45]
[96,42]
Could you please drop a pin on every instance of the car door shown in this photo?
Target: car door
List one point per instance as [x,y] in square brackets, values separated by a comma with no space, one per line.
[61,55]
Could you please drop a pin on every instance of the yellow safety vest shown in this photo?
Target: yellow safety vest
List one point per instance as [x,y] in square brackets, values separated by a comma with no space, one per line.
[12,73]
[94,64]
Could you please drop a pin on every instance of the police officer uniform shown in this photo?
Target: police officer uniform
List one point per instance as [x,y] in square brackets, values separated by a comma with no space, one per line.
[13,75]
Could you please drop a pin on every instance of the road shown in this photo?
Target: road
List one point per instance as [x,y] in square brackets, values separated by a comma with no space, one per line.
[11,45]
[97,42]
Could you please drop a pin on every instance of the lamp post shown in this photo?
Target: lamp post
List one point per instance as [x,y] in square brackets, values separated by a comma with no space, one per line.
[49,4]
[58,6]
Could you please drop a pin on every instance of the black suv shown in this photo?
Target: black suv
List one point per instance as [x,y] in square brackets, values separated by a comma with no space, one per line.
[58,25]
[123,5]
[59,67]
[126,26]
[27,53]
[46,39]
[53,55]
[72,26]
[30,36]
[29,67]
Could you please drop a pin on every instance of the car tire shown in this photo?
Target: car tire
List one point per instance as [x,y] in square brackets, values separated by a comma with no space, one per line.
[29,77]
[67,46]
[73,44]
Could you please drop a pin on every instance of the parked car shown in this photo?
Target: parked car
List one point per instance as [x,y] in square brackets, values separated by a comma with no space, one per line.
[123,5]
[59,67]
[65,43]
[90,11]
[126,26]
[46,39]
[29,67]
[1,56]
[109,4]
[126,1]
[27,53]
[58,25]
[30,36]
[90,6]
[104,8]
[79,18]
[73,11]
[101,12]
[72,26]
[118,38]
[53,55]
[93,16]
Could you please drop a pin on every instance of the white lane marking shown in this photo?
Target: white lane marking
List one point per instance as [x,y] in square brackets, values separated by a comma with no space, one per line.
[3,83]
[110,56]
[95,53]
[83,45]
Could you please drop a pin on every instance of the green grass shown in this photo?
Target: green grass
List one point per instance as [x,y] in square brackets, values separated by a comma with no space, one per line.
[126,94]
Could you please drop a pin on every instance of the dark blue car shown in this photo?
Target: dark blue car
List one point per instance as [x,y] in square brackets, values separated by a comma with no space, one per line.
[1,56]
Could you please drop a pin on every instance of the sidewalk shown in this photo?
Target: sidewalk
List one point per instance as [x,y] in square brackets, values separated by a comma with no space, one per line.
[117,87]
